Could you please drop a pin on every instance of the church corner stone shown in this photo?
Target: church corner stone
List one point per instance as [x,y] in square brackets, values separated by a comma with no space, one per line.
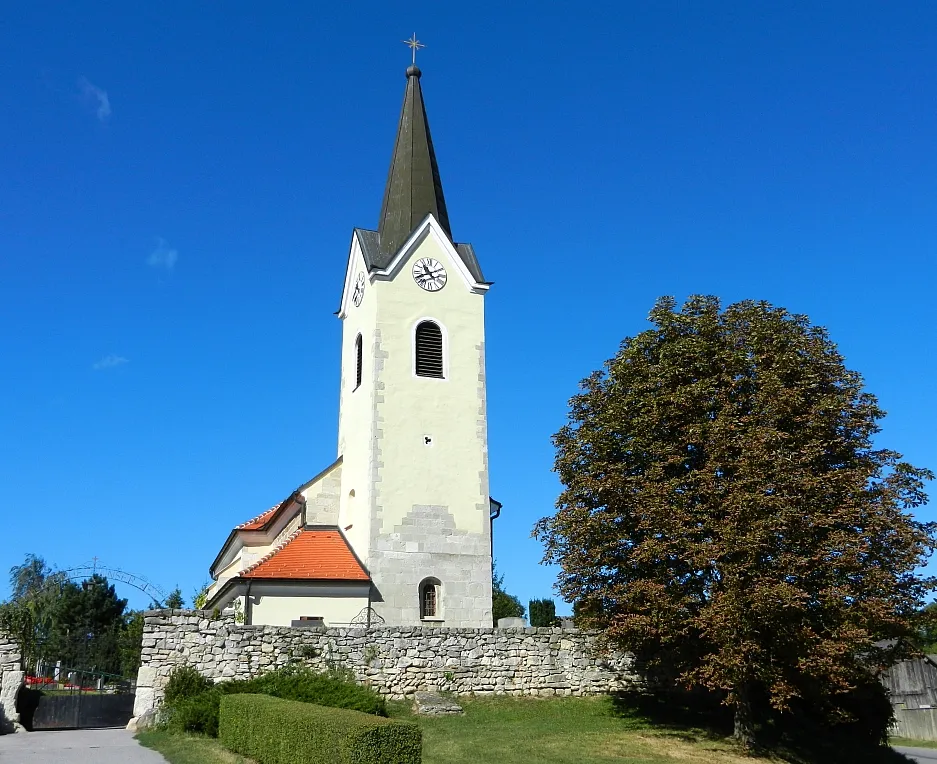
[396,661]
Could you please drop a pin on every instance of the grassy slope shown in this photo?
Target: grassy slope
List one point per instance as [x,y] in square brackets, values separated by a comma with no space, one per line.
[559,731]
[532,731]
[189,749]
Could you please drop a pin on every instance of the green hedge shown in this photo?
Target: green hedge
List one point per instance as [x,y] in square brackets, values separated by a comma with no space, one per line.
[274,731]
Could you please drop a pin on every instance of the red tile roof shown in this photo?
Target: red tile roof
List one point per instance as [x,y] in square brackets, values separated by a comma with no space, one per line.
[310,554]
[258,522]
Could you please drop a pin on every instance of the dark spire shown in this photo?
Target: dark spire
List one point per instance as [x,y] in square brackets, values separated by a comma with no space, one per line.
[413,187]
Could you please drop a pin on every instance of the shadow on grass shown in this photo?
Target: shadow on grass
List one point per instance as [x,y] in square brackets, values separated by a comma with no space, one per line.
[688,716]
[795,738]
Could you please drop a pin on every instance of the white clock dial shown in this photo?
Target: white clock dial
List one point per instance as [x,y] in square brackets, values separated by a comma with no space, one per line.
[358,292]
[429,274]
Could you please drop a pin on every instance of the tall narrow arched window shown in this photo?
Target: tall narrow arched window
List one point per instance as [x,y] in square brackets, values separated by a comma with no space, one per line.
[428,349]
[429,598]
[358,362]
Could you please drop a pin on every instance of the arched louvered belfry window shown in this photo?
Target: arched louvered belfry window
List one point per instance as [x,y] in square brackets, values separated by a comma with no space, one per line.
[358,362]
[428,349]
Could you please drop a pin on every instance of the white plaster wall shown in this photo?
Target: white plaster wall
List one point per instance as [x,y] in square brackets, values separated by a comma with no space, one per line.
[280,611]
[322,498]
[448,473]
[356,425]
[417,510]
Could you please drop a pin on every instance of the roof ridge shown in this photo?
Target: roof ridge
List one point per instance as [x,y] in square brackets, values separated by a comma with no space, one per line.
[273,551]
[255,519]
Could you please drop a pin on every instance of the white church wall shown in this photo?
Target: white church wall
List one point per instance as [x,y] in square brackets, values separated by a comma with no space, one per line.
[280,611]
[323,496]
[356,426]
[449,469]
[431,507]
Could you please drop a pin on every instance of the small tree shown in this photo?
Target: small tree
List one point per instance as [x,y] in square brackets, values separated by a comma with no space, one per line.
[175,599]
[725,509]
[503,605]
[542,613]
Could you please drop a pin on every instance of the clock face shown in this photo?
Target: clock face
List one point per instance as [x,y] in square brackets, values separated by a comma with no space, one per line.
[429,274]
[358,292]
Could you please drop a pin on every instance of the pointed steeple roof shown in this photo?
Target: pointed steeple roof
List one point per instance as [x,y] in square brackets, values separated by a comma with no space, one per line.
[413,188]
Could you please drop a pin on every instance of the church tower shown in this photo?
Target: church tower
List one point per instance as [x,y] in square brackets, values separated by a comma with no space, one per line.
[413,433]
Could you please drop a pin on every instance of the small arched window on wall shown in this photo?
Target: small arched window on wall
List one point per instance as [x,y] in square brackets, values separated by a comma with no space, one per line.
[429,598]
[358,362]
[428,350]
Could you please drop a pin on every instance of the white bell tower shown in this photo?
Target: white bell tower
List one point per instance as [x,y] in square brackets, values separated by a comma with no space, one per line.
[413,433]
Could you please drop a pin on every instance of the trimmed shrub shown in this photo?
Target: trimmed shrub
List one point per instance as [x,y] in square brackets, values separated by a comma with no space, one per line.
[185,682]
[275,731]
[198,713]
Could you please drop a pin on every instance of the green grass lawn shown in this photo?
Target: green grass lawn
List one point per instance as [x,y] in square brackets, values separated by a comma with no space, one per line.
[508,730]
[911,743]
[559,731]
[189,749]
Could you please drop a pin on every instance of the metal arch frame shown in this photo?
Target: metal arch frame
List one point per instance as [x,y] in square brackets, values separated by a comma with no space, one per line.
[88,569]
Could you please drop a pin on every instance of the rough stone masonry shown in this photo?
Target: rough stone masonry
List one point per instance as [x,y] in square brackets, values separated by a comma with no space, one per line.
[395,661]
[11,680]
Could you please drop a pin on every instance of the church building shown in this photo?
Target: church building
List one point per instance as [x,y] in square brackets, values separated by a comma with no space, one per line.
[397,530]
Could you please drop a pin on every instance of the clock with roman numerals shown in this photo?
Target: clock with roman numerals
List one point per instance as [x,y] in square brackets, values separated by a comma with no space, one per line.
[358,292]
[429,274]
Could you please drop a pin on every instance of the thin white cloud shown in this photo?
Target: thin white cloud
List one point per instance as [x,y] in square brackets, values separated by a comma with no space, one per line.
[96,98]
[163,256]
[109,362]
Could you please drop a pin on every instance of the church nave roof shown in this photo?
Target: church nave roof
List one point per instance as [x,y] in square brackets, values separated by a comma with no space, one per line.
[311,554]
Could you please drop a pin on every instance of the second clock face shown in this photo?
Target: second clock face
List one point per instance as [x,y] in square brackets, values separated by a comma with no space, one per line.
[429,274]
[358,292]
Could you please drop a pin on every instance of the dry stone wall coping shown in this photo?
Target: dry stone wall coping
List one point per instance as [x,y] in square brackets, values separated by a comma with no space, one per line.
[397,661]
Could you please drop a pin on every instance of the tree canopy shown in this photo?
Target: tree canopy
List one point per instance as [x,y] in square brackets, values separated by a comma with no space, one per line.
[726,511]
[80,624]
[503,605]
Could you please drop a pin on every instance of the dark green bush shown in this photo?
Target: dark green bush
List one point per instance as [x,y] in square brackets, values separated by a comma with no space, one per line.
[198,713]
[542,613]
[299,683]
[192,700]
[275,731]
[185,682]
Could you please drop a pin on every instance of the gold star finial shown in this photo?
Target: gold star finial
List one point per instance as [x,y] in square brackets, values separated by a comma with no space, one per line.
[414,46]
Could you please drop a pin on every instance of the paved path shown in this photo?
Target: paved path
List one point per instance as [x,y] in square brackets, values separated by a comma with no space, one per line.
[920,755]
[110,746]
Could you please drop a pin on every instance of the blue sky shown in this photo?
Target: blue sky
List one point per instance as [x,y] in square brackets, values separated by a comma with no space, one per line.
[178,186]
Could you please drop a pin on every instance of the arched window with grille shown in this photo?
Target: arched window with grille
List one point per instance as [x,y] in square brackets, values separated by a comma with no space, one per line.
[358,362]
[428,348]
[429,598]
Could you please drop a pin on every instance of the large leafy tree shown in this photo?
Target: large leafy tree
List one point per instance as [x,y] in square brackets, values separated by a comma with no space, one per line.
[725,509]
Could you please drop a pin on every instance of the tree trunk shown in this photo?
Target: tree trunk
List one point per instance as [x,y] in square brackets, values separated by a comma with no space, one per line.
[744,729]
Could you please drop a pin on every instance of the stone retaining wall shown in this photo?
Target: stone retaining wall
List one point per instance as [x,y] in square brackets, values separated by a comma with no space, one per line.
[395,661]
[12,678]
